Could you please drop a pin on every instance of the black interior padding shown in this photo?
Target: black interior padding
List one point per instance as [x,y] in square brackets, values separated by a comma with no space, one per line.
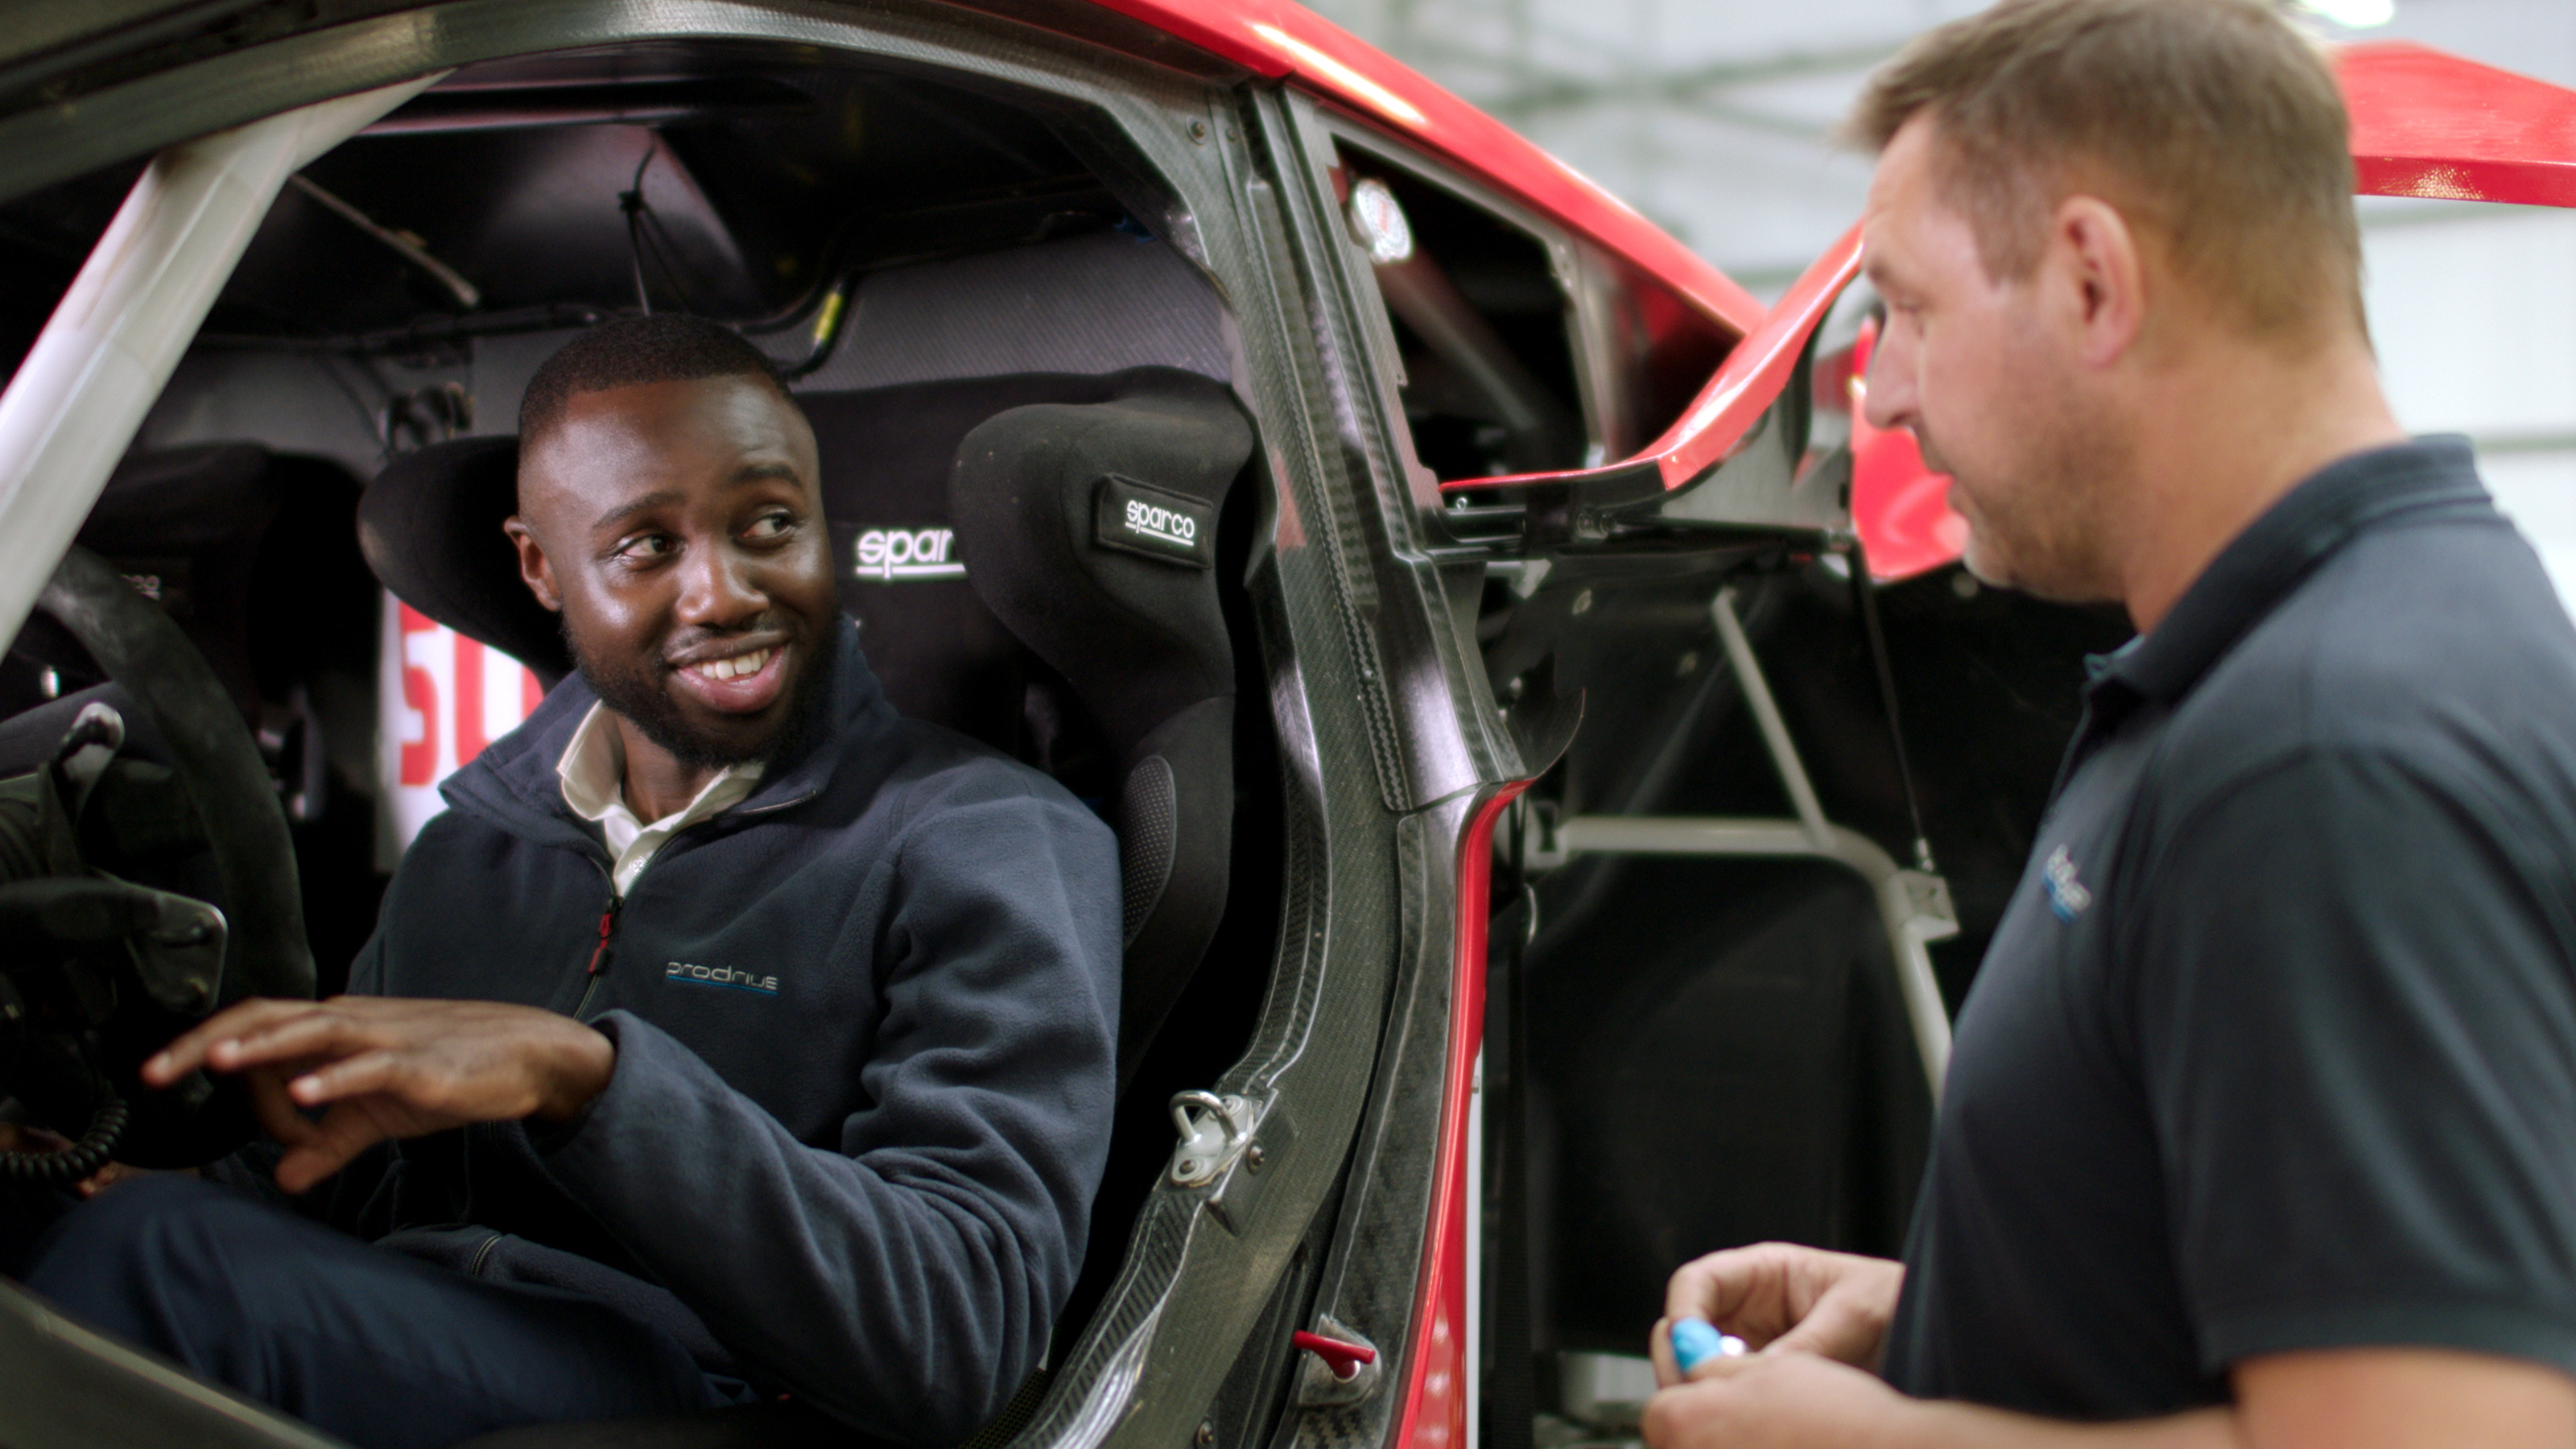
[430,526]
[1739,1066]
[190,528]
[1145,845]
[1140,639]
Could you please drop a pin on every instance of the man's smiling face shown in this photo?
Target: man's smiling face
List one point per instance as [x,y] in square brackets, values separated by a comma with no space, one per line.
[678,526]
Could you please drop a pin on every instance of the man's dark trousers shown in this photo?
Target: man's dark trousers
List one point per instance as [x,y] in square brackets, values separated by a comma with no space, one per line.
[360,1341]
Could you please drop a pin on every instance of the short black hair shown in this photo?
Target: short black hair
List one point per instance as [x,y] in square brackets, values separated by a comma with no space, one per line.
[633,351]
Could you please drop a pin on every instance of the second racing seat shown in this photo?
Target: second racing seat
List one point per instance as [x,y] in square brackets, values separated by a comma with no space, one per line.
[246,549]
[1090,531]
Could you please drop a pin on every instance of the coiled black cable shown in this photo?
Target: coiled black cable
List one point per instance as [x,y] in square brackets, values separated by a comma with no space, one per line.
[78,1161]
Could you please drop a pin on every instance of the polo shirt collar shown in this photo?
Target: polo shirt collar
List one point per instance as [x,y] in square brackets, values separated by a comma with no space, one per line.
[2263,564]
[593,770]
[593,767]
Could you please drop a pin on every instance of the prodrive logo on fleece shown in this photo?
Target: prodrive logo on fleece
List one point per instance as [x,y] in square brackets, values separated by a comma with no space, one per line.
[725,976]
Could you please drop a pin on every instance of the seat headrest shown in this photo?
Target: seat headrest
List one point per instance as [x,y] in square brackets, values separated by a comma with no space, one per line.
[1091,531]
[430,526]
[936,649]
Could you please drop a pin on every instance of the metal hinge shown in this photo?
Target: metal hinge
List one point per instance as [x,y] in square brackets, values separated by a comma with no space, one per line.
[1211,1138]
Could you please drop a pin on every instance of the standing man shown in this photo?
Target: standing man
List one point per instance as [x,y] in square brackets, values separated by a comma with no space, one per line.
[2261,1127]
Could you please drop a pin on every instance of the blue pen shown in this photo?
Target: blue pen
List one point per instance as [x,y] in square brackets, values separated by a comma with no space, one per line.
[1696,1341]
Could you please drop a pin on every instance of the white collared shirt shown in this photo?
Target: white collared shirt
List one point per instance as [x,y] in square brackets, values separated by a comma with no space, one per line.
[593,768]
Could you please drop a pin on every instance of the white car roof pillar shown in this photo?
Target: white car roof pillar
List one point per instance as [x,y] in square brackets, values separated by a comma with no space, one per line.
[110,346]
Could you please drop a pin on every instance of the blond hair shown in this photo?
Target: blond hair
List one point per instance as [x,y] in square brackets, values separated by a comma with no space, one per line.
[2212,124]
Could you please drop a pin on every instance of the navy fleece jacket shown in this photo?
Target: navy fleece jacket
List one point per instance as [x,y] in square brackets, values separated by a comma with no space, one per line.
[865,1025]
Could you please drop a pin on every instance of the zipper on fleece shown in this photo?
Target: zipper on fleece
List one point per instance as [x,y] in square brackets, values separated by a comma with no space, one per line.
[598,967]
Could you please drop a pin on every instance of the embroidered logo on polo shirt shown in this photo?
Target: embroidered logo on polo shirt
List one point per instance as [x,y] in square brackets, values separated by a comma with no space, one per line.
[2067,896]
[725,976]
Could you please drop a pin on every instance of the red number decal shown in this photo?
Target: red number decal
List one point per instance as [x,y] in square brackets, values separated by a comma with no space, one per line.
[469,699]
[420,692]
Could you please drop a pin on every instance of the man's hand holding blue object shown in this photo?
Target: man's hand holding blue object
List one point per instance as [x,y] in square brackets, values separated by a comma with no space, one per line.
[386,1067]
[1756,1341]
[1779,1345]
[1774,1296]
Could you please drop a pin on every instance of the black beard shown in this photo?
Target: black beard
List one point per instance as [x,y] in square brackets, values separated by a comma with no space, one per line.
[637,694]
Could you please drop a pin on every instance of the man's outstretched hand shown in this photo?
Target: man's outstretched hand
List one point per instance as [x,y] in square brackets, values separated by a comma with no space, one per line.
[384,1067]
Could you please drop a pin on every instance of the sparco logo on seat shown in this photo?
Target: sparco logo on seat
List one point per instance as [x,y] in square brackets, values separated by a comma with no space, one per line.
[888,554]
[1172,528]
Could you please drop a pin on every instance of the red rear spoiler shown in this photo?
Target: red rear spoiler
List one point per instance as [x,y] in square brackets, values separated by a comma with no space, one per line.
[2433,125]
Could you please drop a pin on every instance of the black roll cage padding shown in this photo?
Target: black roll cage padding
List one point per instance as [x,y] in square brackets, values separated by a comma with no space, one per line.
[244,827]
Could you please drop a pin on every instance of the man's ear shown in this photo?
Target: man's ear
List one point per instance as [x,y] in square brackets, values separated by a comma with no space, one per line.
[2102,275]
[534,568]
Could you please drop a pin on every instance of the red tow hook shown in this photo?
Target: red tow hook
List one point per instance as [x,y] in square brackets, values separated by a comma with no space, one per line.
[1344,1359]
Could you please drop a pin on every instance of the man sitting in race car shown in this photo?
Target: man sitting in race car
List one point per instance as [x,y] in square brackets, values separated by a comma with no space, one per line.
[729,1036]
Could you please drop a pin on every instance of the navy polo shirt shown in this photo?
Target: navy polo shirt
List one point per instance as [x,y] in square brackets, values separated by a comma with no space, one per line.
[2275,1047]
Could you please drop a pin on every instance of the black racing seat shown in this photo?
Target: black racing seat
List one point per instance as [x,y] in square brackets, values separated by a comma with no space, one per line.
[1090,531]
[993,593]
[932,637]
